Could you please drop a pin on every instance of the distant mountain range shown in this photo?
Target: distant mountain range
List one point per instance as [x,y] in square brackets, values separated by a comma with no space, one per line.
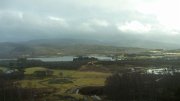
[123,42]
[55,47]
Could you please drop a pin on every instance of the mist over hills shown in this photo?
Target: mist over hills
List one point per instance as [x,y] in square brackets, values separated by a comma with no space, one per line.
[116,42]
[52,47]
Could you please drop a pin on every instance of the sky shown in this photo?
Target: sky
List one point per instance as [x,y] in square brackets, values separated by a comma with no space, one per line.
[155,20]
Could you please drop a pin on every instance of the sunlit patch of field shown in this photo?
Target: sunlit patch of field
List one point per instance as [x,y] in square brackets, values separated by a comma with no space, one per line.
[78,78]
[3,68]
[33,69]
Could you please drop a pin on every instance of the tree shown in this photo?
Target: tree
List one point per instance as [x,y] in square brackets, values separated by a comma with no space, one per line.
[131,86]
[143,87]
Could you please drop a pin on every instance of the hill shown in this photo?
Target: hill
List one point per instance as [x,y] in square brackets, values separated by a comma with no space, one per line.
[55,47]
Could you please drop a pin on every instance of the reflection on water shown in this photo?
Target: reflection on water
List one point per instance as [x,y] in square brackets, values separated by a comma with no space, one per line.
[7,59]
[69,58]
[46,59]
[163,71]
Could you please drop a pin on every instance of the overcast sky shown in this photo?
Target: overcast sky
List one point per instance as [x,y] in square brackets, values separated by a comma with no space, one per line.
[145,19]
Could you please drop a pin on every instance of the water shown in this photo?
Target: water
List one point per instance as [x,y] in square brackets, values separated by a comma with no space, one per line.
[69,58]
[7,59]
[162,71]
[50,59]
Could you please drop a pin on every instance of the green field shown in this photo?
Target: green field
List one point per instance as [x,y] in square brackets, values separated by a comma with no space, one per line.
[3,69]
[78,78]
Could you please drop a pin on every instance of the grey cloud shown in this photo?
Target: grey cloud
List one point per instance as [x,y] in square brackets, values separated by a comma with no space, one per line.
[30,19]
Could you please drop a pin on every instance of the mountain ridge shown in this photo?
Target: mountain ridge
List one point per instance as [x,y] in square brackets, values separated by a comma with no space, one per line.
[53,47]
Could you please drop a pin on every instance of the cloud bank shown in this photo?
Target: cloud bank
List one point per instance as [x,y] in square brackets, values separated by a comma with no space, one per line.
[107,19]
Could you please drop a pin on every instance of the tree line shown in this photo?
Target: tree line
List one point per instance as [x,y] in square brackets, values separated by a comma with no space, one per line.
[136,86]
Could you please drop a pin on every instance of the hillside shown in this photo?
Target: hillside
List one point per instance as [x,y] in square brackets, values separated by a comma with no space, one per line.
[57,47]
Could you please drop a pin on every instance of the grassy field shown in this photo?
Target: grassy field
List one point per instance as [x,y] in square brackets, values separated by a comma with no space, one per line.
[3,69]
[78,78]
